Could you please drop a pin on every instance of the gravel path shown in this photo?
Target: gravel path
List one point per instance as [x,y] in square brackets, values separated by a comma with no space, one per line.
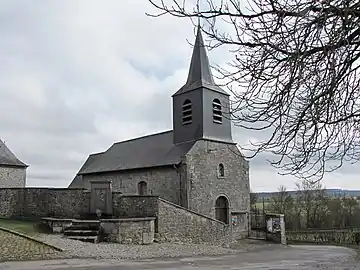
[78,249]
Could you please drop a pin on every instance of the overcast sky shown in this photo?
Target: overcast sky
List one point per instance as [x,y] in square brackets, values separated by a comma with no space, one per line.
[77,76]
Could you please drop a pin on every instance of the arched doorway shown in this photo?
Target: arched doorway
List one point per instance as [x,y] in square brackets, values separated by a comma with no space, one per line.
[142,188]
[222,209]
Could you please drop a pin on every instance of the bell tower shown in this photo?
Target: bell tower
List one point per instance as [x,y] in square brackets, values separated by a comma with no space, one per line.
[201,109]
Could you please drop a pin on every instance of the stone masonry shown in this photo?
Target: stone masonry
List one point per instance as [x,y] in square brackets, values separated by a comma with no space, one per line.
[179,224]
[205,184]
[162,181]
[11,176]
[43,202]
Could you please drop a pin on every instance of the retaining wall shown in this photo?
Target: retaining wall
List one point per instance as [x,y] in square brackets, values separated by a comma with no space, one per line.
[341,236]
[179,224]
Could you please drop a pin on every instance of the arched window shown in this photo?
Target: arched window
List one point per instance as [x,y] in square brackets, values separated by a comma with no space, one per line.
[221,170]
[142,188]
[217,112]
[222,209]
[187,112]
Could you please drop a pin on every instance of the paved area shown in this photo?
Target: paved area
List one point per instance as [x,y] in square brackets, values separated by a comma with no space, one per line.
[14,247]
[293,257]
[78,249]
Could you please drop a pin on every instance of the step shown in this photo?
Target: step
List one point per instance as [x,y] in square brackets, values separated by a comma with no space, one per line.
[84,227]
[81,232]
[85,221]
[90,239]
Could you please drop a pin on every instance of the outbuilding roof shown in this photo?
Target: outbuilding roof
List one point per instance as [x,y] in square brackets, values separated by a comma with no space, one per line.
[8,158]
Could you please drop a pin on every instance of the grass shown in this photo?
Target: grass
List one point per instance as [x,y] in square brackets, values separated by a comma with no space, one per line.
[259,205]
[21,226]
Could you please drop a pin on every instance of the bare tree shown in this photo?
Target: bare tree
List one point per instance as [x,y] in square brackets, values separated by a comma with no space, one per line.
[350,205]
[336,213]
[281,202]
[312,199]
[296,63]
[253,200]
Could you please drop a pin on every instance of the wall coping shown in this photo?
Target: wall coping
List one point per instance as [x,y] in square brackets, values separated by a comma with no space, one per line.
[139,196]
[49,219]
[273,214]
[321,231]
[193,212]
[41,188]
[113,220]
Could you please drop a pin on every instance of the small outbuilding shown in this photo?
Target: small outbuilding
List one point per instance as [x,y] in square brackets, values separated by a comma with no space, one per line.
[12,169]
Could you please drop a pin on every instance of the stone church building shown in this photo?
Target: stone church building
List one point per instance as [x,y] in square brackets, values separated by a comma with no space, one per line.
[12,170]
[196,165]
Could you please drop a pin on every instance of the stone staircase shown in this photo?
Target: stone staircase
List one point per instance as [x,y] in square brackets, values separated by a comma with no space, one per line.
[84,230]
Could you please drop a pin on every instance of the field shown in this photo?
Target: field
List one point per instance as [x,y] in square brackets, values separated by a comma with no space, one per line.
[259,205]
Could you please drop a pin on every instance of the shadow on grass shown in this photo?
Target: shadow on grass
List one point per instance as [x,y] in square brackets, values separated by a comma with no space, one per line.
[26,227]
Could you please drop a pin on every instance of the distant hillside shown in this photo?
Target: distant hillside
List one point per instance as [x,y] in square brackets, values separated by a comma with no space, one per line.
[331,192]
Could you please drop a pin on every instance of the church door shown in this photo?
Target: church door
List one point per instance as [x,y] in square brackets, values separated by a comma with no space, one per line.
[222,209]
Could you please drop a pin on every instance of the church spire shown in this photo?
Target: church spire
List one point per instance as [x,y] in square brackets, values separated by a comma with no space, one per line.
[199,66]
[199,72]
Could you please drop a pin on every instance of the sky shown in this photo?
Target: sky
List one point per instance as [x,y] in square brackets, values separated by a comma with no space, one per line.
[77,76]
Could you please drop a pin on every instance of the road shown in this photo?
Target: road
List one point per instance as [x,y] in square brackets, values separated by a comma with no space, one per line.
[291,257]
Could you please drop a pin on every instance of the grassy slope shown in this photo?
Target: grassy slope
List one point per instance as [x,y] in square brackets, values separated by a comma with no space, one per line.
[25,227]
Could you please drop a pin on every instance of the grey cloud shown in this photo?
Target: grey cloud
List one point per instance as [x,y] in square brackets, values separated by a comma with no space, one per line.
[79,77]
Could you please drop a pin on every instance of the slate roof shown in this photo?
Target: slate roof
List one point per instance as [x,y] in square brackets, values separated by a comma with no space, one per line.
[8,158]
[77,182]
[199,72]
[144,152]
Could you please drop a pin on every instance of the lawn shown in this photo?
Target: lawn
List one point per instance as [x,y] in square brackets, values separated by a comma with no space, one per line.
[24,227]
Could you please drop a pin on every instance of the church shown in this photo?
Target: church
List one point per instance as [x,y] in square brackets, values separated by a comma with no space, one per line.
[196,165]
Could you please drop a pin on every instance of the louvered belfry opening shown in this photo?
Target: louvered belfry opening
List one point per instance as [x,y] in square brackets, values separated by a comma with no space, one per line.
[222,209]
[217,112]
[187,112]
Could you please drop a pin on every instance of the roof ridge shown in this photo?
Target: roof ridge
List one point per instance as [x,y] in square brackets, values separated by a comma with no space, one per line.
[99,153]
[142,137]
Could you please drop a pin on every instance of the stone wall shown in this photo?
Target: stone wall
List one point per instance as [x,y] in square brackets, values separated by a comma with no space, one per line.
[134,206]
[171,222]
[205,184]
[129,230]
[179,224]
[11,177]
[43,202]
[341,236]
[161,181]
[69,203]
